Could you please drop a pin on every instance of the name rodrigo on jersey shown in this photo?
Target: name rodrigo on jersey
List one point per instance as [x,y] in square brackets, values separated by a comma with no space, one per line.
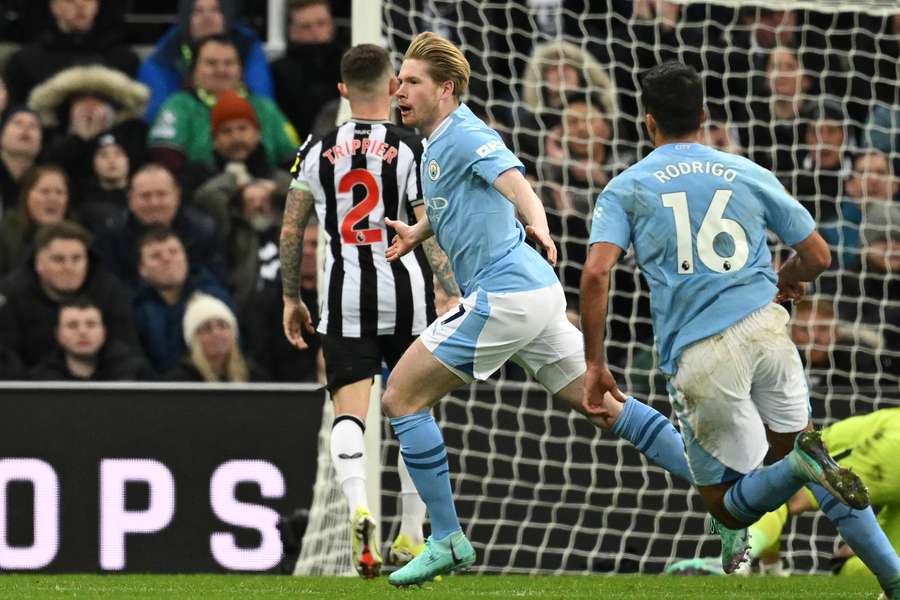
[671,171]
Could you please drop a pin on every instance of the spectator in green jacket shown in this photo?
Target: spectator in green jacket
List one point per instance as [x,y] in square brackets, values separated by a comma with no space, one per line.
[182,132]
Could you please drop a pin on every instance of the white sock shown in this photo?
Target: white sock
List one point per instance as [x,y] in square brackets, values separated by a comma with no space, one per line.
[348,455]
[413,509]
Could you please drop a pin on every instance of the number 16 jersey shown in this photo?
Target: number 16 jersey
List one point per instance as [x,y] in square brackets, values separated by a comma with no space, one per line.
[360,173]
[697,218]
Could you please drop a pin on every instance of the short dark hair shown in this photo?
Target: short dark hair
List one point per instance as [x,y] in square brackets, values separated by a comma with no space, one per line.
[673,93]
[293,5]
[156,234]
[64,230]
[218,38]
[80,302]
[364,65]
[589,99]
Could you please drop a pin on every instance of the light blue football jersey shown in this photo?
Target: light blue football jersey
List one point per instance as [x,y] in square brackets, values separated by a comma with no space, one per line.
[474,223]
[697,218]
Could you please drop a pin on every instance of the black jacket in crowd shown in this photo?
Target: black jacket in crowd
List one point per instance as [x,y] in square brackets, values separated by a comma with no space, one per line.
[30,315]
[117,362]
[118,241]
[306,78]
[54,51]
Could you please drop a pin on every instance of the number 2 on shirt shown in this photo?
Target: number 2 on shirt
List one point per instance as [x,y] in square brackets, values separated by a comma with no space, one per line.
[712,225]
[360,237]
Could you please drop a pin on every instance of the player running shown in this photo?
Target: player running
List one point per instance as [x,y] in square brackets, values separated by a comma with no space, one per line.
[357,175]
[513,305]
[697,219]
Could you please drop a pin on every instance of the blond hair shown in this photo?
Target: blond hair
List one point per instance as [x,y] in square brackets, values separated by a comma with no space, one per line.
[445,61]
[236,370]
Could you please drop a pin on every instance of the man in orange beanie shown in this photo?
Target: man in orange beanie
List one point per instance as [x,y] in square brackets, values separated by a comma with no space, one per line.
[235,128]
[182,132]
[231,106]
[239,154]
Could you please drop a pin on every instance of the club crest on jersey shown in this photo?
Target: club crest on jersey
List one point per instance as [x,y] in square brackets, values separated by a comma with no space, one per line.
[434,170]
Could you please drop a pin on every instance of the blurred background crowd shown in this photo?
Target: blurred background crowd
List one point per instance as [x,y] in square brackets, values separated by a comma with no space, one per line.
[144,164]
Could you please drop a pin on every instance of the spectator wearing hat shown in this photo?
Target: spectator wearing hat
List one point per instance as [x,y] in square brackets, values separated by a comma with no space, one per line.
[244,193]
[154,199]
[182,132]
[167,283]
[237,148]
[105,196]
[84,353]
[43,200]
[80,105]
[20,145]
[168,67]
[60,267]
[72,38]
[210,331]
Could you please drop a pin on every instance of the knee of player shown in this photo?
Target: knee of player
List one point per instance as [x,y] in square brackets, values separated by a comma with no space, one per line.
[392,403]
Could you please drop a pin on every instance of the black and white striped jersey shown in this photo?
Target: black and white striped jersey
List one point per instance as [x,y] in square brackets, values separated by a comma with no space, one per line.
[359,173]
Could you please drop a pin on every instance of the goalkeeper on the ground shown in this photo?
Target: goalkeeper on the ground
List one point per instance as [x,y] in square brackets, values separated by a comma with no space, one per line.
[868,444]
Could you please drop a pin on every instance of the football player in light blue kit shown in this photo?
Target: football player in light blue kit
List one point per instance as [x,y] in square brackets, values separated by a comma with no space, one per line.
[697,220]
[513,305]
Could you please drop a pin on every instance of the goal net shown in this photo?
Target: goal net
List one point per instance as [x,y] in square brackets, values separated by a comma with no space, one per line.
[811,94]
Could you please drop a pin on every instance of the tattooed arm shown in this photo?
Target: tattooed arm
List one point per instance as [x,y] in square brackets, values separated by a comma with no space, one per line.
[439,261]
[440,264]
[297,211]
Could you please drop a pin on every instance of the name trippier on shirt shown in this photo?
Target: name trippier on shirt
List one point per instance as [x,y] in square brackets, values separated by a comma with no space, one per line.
[384,151]
[674,170]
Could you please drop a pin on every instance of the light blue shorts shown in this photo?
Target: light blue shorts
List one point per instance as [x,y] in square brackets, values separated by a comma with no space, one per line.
[531,328]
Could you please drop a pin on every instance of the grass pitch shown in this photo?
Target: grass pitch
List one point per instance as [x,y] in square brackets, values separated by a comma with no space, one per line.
[631,587]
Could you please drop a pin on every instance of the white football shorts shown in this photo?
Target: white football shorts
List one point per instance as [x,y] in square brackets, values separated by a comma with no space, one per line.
[530,328]
[730,386]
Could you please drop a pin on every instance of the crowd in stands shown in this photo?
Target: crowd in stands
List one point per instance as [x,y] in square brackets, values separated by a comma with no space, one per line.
[140,200]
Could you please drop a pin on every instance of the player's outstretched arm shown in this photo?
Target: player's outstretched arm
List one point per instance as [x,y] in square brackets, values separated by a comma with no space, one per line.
[439,261]
[812,257]
[594,306]
[513,185]
[407,237]
[297,210]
